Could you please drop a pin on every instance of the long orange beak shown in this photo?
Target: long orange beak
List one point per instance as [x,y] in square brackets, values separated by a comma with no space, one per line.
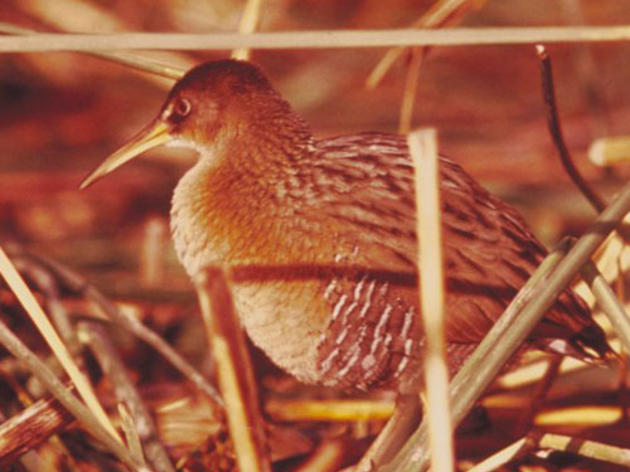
[153,135]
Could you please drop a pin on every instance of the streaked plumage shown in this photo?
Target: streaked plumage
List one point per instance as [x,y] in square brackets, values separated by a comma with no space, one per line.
[324,234]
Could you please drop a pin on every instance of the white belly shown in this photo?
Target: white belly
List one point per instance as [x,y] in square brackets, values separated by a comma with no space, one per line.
[274,325]
[266,311]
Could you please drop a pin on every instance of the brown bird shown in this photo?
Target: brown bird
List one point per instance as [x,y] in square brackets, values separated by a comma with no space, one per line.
[326,228]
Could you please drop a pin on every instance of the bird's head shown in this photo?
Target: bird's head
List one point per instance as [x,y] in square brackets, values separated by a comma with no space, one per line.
[211,106]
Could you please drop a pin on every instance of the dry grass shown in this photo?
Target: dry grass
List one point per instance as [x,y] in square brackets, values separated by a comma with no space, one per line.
[333,39]
[35,311]
[424,154]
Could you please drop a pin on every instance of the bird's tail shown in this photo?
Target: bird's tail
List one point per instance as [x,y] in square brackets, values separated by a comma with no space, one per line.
[591,345]
[588,345]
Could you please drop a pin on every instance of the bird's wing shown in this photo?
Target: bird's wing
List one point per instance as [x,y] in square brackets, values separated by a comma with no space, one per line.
[489,252]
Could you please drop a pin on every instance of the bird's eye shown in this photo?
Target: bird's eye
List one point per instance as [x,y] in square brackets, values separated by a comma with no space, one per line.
[182,108]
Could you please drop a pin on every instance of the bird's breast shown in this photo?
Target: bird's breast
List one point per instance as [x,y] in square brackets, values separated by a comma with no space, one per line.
[283,314]
[284,320]
[194,243]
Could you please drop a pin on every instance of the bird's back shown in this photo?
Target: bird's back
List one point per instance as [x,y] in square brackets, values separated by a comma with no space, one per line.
[373,335]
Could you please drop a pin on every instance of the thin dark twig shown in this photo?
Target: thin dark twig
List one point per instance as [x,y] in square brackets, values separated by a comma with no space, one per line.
[555,129]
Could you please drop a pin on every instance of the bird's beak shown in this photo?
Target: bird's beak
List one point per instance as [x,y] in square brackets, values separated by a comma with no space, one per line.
[153,135]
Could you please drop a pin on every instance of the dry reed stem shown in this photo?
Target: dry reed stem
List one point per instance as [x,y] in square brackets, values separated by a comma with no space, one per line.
[585,448]
[329,410]
[580,416]
[77,284]
[326,39]
[603,293]
[36,313]
[21,447]
[608,302]
[31,427]
[47,285]
[131,435]
[610,150]
[325,458]
[436,16]
[45,375]
[85,16]
[557,442]
[248,24]
[410,90]
[612,260]
[423,151]
[234,370]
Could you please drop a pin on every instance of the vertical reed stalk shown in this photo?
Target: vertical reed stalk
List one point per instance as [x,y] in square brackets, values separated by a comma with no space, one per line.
[423,149]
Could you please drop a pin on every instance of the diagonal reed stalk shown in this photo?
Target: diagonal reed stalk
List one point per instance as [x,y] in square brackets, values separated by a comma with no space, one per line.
[423,151]
[608,302]
[132,437]
[327,39]
[507,335]
[41,321]
[439,14]
[602,291]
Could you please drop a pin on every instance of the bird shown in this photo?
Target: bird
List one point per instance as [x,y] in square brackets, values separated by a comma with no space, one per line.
[323,231]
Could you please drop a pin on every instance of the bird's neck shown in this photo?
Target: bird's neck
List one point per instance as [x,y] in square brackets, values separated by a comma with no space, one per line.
[232,205]
[259,160]
[268,143]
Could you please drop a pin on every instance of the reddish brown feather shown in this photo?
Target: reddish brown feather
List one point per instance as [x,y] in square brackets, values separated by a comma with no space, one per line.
[488,249]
